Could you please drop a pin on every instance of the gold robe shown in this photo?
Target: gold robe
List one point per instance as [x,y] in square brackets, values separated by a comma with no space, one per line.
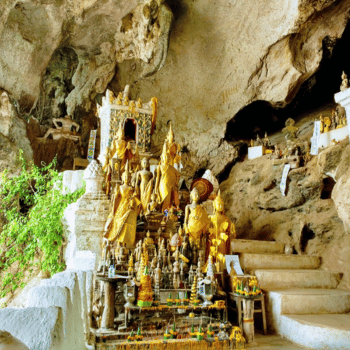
[123,225]
[198,222]
[168,186]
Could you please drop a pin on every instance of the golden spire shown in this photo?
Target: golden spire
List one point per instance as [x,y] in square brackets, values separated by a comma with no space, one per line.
[170,132]
[218,199]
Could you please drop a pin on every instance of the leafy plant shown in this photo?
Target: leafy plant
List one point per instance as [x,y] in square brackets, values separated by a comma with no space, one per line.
[33,205]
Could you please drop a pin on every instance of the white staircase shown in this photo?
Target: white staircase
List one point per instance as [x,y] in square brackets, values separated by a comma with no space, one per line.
[303,303]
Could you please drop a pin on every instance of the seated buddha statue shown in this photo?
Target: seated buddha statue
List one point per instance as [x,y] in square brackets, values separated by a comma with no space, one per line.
[149,242]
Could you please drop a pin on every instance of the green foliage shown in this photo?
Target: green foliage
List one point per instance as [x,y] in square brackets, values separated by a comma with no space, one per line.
[33,205]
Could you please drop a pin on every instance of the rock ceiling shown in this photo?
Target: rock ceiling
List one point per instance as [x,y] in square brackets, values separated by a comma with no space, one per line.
[205,60]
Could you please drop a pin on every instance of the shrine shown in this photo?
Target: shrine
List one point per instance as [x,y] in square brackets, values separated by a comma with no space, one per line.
[174,175]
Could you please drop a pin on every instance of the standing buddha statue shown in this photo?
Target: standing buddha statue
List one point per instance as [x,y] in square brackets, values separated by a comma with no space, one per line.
[119,148]
[173,148]
[221,230]
[144,184]
[122,227]
[167,179]
[196,222]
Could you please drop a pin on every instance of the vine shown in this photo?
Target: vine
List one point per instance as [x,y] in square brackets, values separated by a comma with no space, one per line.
[33,205]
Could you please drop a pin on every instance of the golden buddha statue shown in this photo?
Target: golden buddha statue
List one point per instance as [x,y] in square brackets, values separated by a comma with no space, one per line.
[173,148]
[290,131]
[345,82]
[153,205]
[107,168]
[121,226]
[322,124]
[119,147]
[167,179]
[144,184]
[221,230]
[196,222]
[149,242]
[172,215]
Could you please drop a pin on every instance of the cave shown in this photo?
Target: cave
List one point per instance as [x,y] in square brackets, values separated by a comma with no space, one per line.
[306,235]
[327,187]
[191,83]
[313,97]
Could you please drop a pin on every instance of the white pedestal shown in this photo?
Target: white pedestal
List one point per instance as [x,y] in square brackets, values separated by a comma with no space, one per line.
[337,135]
[255,152]
[343,98]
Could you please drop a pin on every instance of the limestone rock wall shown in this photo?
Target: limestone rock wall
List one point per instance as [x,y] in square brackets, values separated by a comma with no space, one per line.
[224,55]
[100,33]
[307,218]
[52,318]
[13,136]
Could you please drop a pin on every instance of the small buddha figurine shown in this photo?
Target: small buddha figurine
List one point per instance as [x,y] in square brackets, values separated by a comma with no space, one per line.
[290,131]
[185,249]
[149,240]
[276,153]
[152,206]
[154,263]
[131,266]
[144,184]
[157,274]
[266,141]
[170,266]
[345,82]
[327,124]
[337,119]
[196,218]
[119,147]
[138,250]
[321,124]
[176,254]
[233,272]
[257,141]
[172,216]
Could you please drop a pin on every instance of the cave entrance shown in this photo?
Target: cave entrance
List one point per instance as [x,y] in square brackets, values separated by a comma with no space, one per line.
[306,235]
[327,187]
[255,119]
[130,130]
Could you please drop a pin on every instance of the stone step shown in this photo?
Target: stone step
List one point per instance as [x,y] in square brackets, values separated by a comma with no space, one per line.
[256,247]
[278,261]
[312,301]
[292,279]
[317,331]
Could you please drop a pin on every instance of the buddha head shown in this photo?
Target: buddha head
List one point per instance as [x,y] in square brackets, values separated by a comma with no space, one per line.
[218,203]
[164,159]
[126,176]
[195,195]
[144,163]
